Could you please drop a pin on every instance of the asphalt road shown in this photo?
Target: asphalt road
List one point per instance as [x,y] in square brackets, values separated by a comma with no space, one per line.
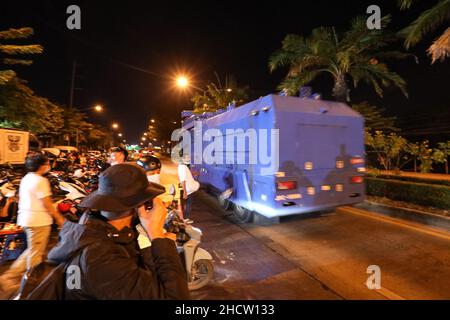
[319,256]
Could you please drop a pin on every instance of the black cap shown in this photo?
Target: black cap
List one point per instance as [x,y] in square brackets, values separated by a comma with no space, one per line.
[122,187]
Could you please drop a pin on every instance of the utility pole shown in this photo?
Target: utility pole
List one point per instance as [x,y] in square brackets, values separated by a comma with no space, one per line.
[72,83]
[71,97]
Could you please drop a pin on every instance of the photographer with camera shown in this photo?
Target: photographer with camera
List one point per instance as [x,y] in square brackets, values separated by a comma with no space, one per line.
[104,246]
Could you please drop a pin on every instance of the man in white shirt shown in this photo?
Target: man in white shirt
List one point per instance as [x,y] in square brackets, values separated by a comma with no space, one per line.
[36,214]
[189,186]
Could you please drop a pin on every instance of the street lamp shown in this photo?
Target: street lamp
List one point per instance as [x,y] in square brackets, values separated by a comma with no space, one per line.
[153,120]
[182,81]
[145,134]
[115,126]
[144,138]
[98,108]
[120,135]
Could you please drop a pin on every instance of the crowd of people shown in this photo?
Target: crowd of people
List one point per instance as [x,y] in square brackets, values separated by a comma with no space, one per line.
[104,244]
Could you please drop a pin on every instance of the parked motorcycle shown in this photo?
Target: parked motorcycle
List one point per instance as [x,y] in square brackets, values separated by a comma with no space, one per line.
[197,261]
[67,196]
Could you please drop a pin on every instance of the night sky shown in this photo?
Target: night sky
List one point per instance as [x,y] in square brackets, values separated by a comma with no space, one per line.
[127,52]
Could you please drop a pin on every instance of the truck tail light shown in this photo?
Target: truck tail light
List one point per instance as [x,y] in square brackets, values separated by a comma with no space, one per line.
[286,185]
[356,160]
[357,179]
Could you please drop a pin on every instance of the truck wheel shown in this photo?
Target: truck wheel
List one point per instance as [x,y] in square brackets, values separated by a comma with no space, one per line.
[242,214]
[201,273]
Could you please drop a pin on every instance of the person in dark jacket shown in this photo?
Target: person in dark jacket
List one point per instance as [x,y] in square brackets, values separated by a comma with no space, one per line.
[114,260]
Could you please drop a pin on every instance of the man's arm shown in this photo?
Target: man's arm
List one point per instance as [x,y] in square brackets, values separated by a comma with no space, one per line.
[5,209]
[48,204]
[185,194]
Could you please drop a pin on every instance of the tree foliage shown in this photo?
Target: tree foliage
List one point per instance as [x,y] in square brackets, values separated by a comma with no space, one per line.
[393,152]
[354,55]
[374,118]
[217,96]
[21,108]
[13,54]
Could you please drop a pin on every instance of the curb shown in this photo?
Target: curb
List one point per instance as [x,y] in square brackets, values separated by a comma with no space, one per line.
[422,217]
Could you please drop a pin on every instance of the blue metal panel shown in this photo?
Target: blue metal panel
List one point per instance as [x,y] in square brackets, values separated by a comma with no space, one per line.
[317,140]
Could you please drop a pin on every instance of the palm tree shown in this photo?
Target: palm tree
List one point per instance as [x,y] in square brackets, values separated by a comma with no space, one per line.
[353,55]
[428,21]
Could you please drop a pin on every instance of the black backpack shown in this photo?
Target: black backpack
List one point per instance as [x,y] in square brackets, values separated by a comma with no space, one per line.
[46,281]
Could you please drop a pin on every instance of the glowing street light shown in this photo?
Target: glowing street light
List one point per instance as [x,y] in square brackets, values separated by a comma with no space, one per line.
[145,134]
[229,90]
[153,120]
[120,135]
[182,82]
[97,108]
[144,138]
[115,125]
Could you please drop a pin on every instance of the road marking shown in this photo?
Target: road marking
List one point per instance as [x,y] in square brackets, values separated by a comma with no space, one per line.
[387,293]
[398,222]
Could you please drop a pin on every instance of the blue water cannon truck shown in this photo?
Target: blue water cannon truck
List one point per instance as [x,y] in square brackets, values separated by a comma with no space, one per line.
[278,155]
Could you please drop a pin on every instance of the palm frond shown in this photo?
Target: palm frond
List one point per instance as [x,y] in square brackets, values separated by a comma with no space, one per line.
[17,62]
[440,49]
[21,49]
[405,4]
[394,54]
[378,75]
[292,84]
[21,33]
[6,76]
[428,21]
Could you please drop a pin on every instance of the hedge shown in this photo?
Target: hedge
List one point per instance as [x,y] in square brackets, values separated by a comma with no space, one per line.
[419,193]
